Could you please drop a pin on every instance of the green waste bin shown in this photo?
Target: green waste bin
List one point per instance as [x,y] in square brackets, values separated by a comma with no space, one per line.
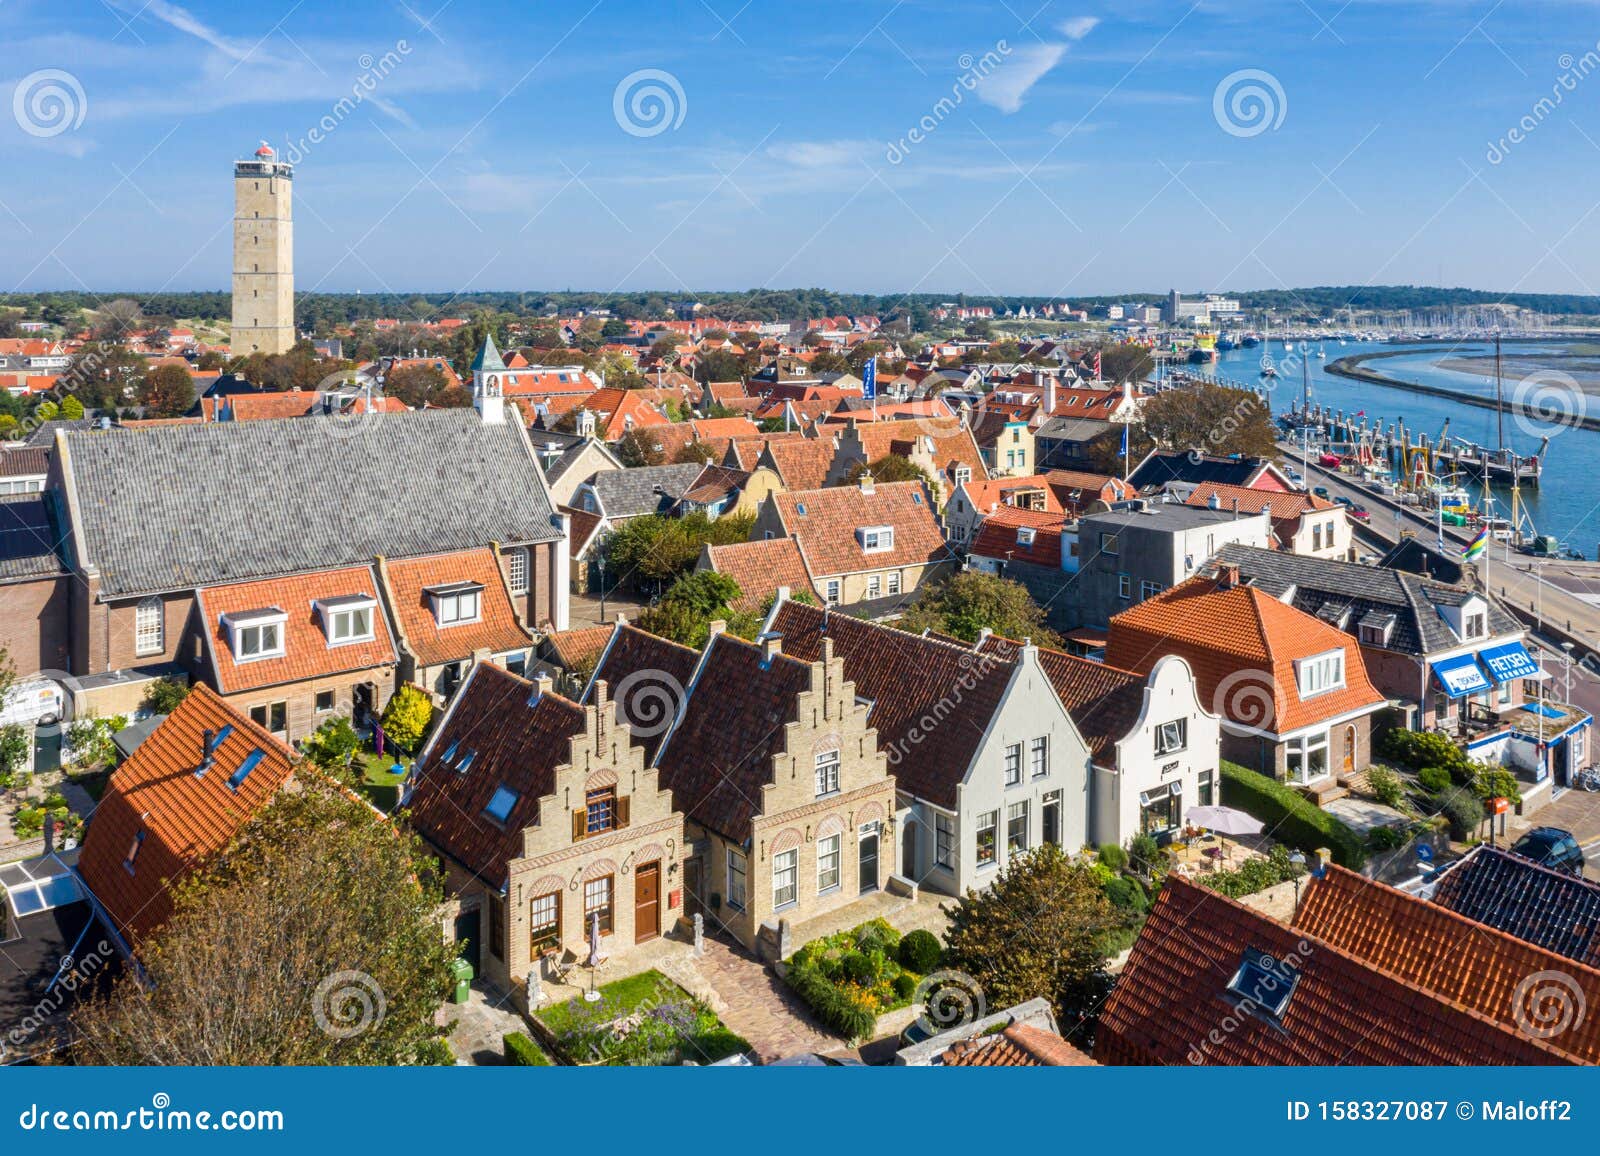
[461,974]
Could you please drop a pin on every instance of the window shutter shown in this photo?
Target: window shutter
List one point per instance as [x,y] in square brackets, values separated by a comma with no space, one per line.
[579,824]
[622,811]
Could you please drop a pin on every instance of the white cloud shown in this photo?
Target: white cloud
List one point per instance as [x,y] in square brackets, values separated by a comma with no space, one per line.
[185,21]
[818,154]
[1078,27]
[1005,87]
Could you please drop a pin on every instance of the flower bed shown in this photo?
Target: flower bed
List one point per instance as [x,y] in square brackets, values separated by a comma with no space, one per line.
[851,978]
[644,1020]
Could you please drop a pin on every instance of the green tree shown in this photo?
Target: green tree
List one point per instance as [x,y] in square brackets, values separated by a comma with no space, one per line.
[1212,419]
[333,744]
[406,718]
[1038,930]
[164,694]
[889,468]
[690,605]
[167,391]
[47,410]
[1127,362]
[637,448]
[71,408]
[969,601]
[245,974]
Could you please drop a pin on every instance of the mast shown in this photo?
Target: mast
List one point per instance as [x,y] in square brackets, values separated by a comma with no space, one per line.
[1499,404]
[1305,426]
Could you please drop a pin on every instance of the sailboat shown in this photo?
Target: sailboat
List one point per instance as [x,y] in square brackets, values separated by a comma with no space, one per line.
[1267,368]
[1322,351]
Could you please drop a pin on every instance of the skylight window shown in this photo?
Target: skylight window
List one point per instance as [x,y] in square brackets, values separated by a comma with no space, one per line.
[499,808]
[466,762]
[251,762]
[1264,984]
[449,752]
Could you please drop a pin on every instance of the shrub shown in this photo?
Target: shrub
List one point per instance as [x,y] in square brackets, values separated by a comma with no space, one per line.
[332,744]
[920,951]
[164,695]
[1463,809]
[1291,818]
[1252,875]
[857,968]
[1490,781]
[16,752]
[836,1007]
[406,718]
[1127,895]
[877,935]
[1144,852]
[1113,856]
[1385,785]
[1387,838]
[1417,749]
[1433,779]
[905,986]
[522,1052]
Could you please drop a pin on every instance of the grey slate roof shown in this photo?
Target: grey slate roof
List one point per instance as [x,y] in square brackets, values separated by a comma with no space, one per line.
[1156,471]
[29,538]
[566,447]
[630,493]
[176,507]
[45,433]
[1553,910]
[1319,584]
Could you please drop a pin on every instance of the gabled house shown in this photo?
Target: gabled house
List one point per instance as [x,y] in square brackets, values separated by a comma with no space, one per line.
[452,610]
[986,761]
[761,568]
[617,495]
[569,460]
[976,499]
[550,823]
[291,652]
[648,676]
[1302,523]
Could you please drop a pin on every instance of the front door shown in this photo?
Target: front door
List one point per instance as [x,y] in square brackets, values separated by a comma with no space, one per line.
[908,852]
[467,933]
[869,858]
[1349,750]
[647,902]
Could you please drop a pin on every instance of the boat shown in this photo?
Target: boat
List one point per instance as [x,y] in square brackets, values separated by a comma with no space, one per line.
[1267,368]
[1322,351]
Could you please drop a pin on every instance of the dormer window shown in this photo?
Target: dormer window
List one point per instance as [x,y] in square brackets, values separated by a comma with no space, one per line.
[1323,672]
[1025,536]
[1473,625]
[256,634]
[456,602]
[346,620]
[876,539]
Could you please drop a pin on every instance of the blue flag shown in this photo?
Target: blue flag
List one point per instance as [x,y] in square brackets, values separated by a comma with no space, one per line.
[869,378]
[1124,439]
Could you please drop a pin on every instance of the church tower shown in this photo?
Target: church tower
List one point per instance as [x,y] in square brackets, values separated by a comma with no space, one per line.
[488,383]
[263,254]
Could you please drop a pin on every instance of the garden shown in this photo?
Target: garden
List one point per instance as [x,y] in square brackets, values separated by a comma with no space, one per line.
[851,978]
[645,1020]
[1431,775]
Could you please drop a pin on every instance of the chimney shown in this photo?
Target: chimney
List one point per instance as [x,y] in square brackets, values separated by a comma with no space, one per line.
[1227,576]
[1214,502]
[1049,394]
[542,685]
[718,626]
[208,743]
[771,646]
[867,486]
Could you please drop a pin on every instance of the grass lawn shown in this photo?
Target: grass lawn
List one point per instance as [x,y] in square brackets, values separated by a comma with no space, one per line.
[641,1020]
[377,782]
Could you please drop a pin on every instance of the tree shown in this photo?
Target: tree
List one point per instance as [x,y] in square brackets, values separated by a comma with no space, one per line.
[116,319]
[889,468]
[332,745]
[416,385]
[406,718]
[71,408]
[1127,362]
[1212,419]
[167,391]
[164,694]
[1104,450]
[313,939]
[966,603]
[688,608]
[637,448]
[47,410]
[1038,930]
[653,551]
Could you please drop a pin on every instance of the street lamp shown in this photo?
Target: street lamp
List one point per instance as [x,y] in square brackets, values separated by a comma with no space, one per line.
[1297,860]
[1566,667]
[602,591]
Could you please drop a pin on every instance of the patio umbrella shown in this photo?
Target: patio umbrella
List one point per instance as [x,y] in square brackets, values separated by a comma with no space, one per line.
[594,940]
[1224,820]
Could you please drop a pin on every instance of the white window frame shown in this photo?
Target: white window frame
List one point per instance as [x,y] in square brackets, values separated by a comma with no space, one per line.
[944,841]
[1297,753]
[893,584]
[339,622]
[826,771]
[517,571]
[785,879]
[738,880]
[1172,736]
[1148,589]
[830,857]
[1124,585]
[150,627]
[448,607]
[255,635]
[874,585]
[988,821]
[1013,764]
[831,591]
[876,539]
[1319,673]
[1014,812]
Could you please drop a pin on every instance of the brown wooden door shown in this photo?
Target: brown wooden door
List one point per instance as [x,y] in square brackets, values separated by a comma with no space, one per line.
[647,902]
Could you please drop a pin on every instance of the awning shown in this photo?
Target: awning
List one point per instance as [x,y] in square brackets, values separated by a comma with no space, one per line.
[1460,676]
[1508,662]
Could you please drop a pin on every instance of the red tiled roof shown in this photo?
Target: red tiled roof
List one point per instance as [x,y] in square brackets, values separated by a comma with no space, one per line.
[183,818]
[724,427]
[497,628]
[995,493]
[827,530]
[1277,504]
[997,537]
[761,567]
[1243,635]
[802,463]
[1019,1046]
[1171,1005]
[584,524]
[307,652]
[579,647]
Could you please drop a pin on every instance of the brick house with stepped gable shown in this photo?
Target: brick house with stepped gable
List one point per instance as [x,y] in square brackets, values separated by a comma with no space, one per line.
[547,816]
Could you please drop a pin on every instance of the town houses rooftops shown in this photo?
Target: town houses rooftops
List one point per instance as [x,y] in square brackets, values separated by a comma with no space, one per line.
[1221,629]
[1279,505]
[293,628]
[438,633]
[1437,950]
[840,528]
[648,677]
[1166,466]
[501,735]
[760,568]
[1550,909]
[908,680]
[178,800]
[1211,981]
[801,463]
[234,501]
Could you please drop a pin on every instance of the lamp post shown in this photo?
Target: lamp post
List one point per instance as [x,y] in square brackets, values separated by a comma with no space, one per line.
[1297,860]
[602,591]
[1566,667]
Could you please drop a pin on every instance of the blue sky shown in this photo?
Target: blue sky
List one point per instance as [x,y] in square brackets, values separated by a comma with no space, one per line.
[1092,150]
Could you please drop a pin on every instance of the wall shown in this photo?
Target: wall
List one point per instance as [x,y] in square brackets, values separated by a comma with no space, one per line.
[300,698]
[36,624]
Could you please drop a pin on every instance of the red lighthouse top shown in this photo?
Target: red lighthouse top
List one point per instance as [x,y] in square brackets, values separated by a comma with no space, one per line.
[265,151]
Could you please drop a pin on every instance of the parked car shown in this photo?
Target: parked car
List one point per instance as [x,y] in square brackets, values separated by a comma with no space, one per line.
[1340,499]
[1359,513]
[1552,847]
[1321,492]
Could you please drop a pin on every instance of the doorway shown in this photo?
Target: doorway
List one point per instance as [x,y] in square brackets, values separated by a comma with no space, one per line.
[466,931]
[692,904]
[1349,750]
[361,703]
[646,902]
[869,858]
[908,850]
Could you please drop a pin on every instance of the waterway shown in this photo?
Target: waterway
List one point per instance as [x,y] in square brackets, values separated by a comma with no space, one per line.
[1566,505]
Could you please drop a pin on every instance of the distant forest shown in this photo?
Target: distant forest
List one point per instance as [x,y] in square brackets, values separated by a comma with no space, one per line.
[324,311]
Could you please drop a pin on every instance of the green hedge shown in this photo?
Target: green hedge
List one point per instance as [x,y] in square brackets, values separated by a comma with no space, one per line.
[522,1052]
[1290,817]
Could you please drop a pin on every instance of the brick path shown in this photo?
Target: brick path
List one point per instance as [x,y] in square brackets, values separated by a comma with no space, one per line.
[759,1006]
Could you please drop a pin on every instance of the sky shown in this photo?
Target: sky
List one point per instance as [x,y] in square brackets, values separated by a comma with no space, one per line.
[884,146]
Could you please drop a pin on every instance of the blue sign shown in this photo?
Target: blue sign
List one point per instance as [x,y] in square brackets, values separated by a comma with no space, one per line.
[869,378]
[1424,852]
[1508,662]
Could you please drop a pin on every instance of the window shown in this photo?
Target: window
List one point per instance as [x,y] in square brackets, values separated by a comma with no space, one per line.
[1108,543]
[544,923]
[251,762]
[324,701]
[1039,756]
[1321,673]
[517,571]
[785,878]
[1316,536]
[1306,757]
[497,928]
[1473,625]
[894,582]
[350,625]
[500,804]
[260,640]
[736,880]
[944,841]
[149,627]
[1149,589]
[963,475]
[597,901]
[988,829]
[1016,828]
[827,767]
[832,591]
[1158,811]
[1206,787]
[876,539]
[1172,737]
[1050,817]
[1025,536]
[874,585]
[274,716]
[1124,586]
[1013,764]
[456,603]
[828,863]
[600,811]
